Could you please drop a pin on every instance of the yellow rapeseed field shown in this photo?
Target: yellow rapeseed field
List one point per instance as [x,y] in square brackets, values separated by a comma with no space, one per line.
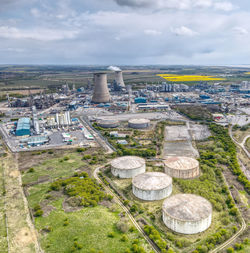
[247,73]
[189,78]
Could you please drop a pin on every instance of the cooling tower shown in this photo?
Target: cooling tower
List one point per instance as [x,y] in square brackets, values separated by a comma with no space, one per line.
[119,78]
[101,92]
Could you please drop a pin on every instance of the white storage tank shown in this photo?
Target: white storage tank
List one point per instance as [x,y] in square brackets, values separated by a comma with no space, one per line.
[181,167]
[108,123]
[128,166]
[152,186]
[187,213]
[139,123]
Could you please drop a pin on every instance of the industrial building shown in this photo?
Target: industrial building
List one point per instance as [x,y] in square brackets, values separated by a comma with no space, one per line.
[108,123]
[181,167]
[60,120]
[119,78]
[152,186]
[23,127]
[139,123]
[101,91]
[128,166]
[36,140]
[187,213]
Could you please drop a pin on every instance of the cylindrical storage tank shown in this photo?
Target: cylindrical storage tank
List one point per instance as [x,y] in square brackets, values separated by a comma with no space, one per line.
[128,166]
[108,123]
[182,167]
[152,186]
[101,91]
[139,123]
[187,213]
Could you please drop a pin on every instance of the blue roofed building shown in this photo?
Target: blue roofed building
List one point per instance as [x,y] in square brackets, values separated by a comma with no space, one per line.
[23,127]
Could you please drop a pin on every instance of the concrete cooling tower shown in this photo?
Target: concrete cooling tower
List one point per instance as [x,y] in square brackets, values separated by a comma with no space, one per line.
[119,78]
[101,91]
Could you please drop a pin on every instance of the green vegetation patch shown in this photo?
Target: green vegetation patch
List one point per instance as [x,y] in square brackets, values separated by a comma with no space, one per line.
[84,191]
[54,168]
[90,227]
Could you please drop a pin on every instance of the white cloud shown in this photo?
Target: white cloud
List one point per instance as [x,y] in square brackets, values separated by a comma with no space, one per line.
[240,30]
[36,34]
[152,32]
[224,6]
[183,31]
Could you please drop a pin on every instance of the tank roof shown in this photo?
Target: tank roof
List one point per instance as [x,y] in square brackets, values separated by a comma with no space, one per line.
[181,163]
[128,162]
[152,181]
[108,121]
[187,207]
[139,121]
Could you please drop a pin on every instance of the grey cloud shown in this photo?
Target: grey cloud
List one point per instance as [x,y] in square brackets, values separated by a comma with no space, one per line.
[222,5]
[134,3]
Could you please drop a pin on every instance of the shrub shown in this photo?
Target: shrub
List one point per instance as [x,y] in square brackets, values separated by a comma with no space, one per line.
[124,238]
[65,158]
[122,226]
[238,246]
[38,213]
[111,234]
[230,250]
[80,150]
[31,170]
[66,223]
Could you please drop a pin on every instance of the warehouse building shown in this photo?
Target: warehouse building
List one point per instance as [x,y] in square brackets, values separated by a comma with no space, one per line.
[23,127]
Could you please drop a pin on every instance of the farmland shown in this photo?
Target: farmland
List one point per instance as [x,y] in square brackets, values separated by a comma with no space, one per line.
[190,78]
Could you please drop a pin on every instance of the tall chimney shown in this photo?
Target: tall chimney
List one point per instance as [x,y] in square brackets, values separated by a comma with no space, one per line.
[119,78]
[101,92]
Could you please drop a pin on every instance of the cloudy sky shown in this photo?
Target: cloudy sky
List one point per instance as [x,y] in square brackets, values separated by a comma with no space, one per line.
[204,32]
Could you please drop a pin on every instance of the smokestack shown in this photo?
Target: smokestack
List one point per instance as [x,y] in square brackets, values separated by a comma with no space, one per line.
[101,92]
[119,78]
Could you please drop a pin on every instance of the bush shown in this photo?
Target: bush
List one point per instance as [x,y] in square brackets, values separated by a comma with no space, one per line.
[80,150]
[38,213]
[31,170]
[238,246]
[122,226]
[124,238]
[66,223]
[230,250]
[65,158]
[111,234]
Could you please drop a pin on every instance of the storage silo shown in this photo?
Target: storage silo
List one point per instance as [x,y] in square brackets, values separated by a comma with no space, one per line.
[128,166]
[108,123]
[101,91]
[187,213]
[152,186]
[181,167]
[139,123]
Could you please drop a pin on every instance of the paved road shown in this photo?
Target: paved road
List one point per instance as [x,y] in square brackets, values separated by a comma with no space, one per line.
[117,200]
[240,144]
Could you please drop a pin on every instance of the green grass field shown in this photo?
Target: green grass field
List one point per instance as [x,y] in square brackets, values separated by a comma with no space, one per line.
[55,168]
[89,227]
